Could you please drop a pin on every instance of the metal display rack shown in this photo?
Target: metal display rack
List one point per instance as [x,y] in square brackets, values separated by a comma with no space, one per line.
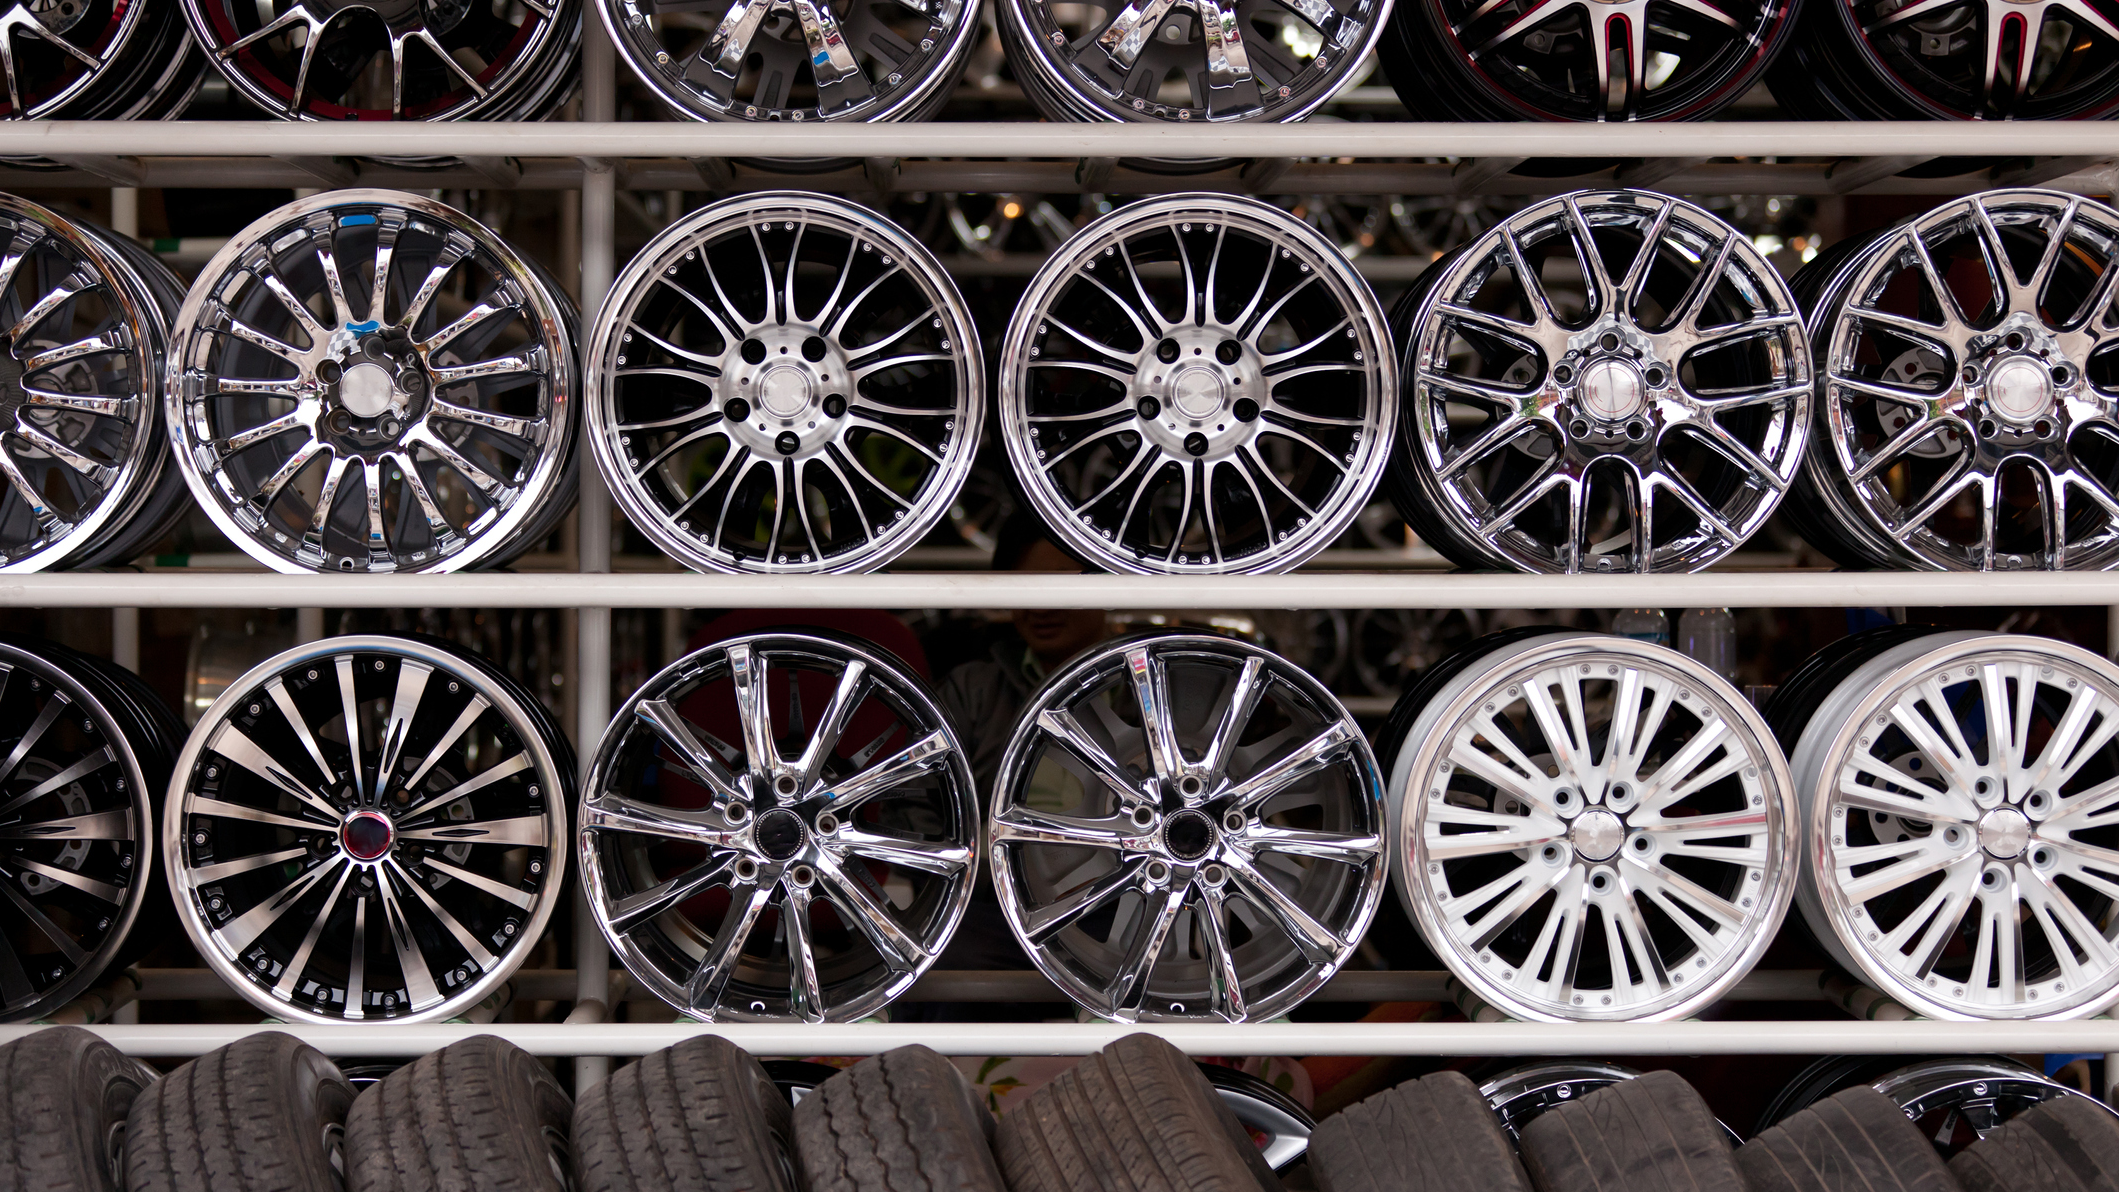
[598,156]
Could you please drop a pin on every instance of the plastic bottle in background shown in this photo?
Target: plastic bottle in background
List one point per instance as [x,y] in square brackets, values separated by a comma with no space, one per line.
[1642,625]
[1708,637]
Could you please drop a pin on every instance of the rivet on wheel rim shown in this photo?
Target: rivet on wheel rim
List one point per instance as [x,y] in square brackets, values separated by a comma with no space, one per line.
[1590,828]
[370,381]
[368,829]
[785,383]
[1961,872]
[1648,421]
[742,883]
[1197,384]
[1186,828]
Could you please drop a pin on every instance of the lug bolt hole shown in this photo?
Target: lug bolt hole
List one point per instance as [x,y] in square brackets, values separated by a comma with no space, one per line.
[1600,882]
[2015,341]
[1189,784]
[1564,799]
[1970,374]
[737,410]
[1563,374]
[1143,816]
[834,405]
[1654,377]
[1636,430]
[329,372]
[1990,880]
[2042,858]
[1578,428]
[1246,410]
[827,824]
[1642,844]
[1986,428]
[1233,822]
[1982,786]
[2062,374]
[753,352]
[813,349]
[1196,443]
[803,875]
[1609,343]
[2039,803]
[1213,875]
[785,784]
[1149,408]
[1953,836]
[2042,428]
[735,813]
[1228,351]
[1550,854]
[746,869]
[1166,351]
[1158,872]
[788,443]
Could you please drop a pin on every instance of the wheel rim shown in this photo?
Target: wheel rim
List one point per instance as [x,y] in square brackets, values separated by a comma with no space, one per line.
[405,888]
[1972,439]
[75,836]
[1544,435]
[1957,1102]
[714,393]
[1976,59]
[1649,800]
[1522,1093]
[405,439]
[1257,1105]
[62,52]
[862,60]
[332,60]
[1141,436]
[741,884]
[1244,60]
[1206,869]
[1953,829]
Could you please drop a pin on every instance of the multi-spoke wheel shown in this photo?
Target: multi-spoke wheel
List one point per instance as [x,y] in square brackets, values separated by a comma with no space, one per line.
[1178,60]
[370,381]
[87,753]
[1956,792]
[785,382]
[1197,384]
[1580,59]
[369,829]
[1586,827]
[1606,381]
[797,60]
[95,59]
[1187,828]
[394,60]
[1968,396]
[1954,1101]
[811,870]
[1520,1094]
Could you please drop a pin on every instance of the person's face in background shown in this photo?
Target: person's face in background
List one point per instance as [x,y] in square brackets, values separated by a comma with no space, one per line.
[1057,634]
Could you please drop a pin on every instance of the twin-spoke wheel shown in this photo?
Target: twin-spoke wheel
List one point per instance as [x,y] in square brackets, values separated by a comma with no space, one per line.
[95,59]
[1590,828]
[1606,381]
[370,381]
[369,829]
[1187,828]
[785,383]
[780,827]
[1958,792]
[1199,385]
[1968,393]
[1953,1101]
[86,753]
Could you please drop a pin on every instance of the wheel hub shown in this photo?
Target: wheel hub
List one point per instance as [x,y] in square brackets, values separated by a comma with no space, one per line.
[1197,392]
[2004,832]
[1612,389]
[2020,389]
[1203,388]
[367,835]
[1188,835]
[784,392]
[780,834]
[787,389]
[366,390]
[1596,834]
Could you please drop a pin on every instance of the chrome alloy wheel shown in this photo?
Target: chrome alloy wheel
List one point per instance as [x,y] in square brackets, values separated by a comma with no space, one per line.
[1958,794]
[1186,828]
[1607,381]
[1588,828]
[1197,384]
[1953,60]
[369,829]
[785,382]
[62,54]
[1969,396]
[1956,1102]
[1520,1094]
[370,381]
[812,870]
[1182,60]
[795,60]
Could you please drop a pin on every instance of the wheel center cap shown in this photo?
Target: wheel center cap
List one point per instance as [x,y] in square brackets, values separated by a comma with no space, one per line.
[2004,832]
[784,391]
[366,389]
[1197,392]
[367,835]
[779,834]
[1188,835]
[2019,389]
[1613,389]
[1597,834]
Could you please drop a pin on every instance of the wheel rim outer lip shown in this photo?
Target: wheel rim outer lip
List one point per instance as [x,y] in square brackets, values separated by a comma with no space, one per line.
[557,780]
[1829,736]
[555,332]
[1455,700]
[1365,314]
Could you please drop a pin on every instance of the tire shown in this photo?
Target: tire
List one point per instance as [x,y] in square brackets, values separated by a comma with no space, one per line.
[1135,1117]
[702,1116]
[1648,1134]
[477,1116]
[262,1114]
[1435,1134]
[2067,1144]
[902,1121]
[1856,1141]
[64,1094]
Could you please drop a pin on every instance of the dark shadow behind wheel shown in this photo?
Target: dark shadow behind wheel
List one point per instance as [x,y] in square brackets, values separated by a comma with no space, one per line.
[1628,1135]
[702,1116]
[2069,1144]
[1857,1141]
[64,1094]
[902,1121]
[263,1114]
[1434,1134]
[482,1113]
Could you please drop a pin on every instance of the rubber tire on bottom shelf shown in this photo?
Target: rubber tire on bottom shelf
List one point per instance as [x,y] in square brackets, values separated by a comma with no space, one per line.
[902,1121]
[64,1094]
[1855,1141]
[481,1114]
[1435,1134]
[2067,1144]
[1134,1117]
[1648,1134]
[261,1115]
[702,1116]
